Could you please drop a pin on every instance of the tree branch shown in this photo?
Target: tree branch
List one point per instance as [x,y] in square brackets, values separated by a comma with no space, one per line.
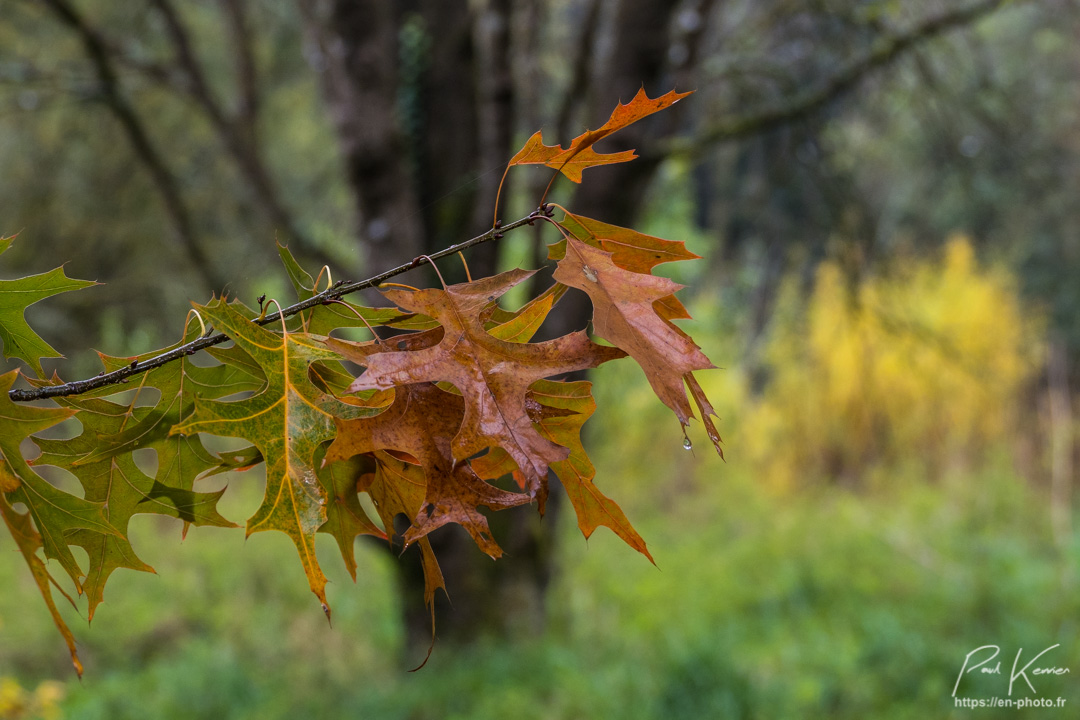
[235,134]
[884,52]
[246,71]
[98,53]
[338,290]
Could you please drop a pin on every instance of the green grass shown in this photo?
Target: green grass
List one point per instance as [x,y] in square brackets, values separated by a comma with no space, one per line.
[825,603]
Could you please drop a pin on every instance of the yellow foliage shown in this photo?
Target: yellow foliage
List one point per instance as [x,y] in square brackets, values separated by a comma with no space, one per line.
[17,703]
[922,369]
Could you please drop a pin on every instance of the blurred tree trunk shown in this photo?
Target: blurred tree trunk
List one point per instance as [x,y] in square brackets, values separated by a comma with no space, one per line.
[423,101]
[423,98]
[357,45]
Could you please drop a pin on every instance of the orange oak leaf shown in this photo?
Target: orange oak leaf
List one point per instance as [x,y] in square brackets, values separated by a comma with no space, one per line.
[518,326]
[422,421]
[397,487]
[492,374]
[580,155]
[630,250]
[522,324]
[566,407]
[623,314]
[570,162]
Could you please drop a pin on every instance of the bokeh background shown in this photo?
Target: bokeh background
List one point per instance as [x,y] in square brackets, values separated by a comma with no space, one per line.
[885,195]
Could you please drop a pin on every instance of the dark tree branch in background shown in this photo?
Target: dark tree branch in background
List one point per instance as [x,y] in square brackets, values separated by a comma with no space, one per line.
[884,52]
[246,72]
[579,79]
[236,135]
[335,292]
[109,87]
[690,32]
[495,113]
[356,63]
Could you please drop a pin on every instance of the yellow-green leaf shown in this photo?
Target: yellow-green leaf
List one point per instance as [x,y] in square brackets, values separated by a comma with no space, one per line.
[17,295]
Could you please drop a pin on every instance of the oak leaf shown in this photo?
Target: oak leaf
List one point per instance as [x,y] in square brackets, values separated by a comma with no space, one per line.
[573,405]
[56,513]
[397,488]
[624,315]
[345,516]
[28,540]
[631,250]
[17,295]
[580,155]
[52,511]
[122,488]
[422,421]
[287,421]
[180,458]
[493,375]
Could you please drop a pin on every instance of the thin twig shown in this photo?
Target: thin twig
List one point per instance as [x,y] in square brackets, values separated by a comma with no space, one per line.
[334,292]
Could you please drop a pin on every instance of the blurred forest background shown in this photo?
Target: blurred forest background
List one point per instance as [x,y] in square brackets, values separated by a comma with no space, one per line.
[886,197]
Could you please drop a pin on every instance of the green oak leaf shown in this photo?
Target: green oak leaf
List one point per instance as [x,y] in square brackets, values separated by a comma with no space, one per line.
[287,421]
[180,459]
[54,511]
[345,516]
[123,489]
[51,512]
[17,295]
[28,540]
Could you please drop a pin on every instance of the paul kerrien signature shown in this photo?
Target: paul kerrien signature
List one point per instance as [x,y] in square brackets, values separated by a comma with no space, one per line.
[985,668]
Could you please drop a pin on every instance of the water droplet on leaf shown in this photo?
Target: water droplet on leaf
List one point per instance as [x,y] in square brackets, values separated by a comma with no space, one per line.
[589,273]
[687,445]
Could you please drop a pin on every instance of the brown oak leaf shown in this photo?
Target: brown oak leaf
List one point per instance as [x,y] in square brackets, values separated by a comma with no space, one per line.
[565,408]
[492,374]
[624,315]
[422,421]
